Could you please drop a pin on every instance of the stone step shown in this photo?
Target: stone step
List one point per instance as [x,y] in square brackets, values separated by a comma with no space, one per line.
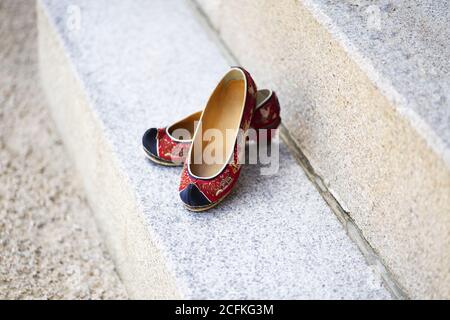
[365,88]
[111,69]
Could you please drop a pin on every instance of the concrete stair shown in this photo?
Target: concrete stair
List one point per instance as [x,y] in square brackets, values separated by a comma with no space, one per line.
[366,95]
[110,70]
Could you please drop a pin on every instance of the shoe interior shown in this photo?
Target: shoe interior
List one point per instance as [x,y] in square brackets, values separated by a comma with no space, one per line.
[190,122]
[223,113]
[188,125]
[262,96]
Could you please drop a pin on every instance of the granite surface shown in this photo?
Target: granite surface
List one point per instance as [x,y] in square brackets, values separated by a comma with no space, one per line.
[50,247]
[145,64]
[367,105]
[403,46]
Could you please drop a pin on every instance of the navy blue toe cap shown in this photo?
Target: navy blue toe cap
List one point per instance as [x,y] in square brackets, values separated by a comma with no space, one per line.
[149,141]
[193,197]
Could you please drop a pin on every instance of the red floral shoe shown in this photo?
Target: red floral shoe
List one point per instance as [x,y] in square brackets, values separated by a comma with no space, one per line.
[228,115]
[163,146]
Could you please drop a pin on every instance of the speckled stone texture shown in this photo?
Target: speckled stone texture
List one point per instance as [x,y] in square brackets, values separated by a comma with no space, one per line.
[136,64]
[368,103]
[49,245]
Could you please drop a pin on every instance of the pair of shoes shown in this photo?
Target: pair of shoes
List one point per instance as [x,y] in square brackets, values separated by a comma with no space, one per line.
[161,146]
[234,106]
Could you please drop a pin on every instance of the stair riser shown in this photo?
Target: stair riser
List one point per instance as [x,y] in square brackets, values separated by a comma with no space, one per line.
[140,264]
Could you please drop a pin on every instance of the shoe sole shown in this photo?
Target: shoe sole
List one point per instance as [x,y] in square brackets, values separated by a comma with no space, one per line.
[201,209]
[159,160]
[209,206]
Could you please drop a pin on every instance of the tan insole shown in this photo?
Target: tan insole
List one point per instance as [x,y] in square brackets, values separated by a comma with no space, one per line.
[223,113]
[188,124]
